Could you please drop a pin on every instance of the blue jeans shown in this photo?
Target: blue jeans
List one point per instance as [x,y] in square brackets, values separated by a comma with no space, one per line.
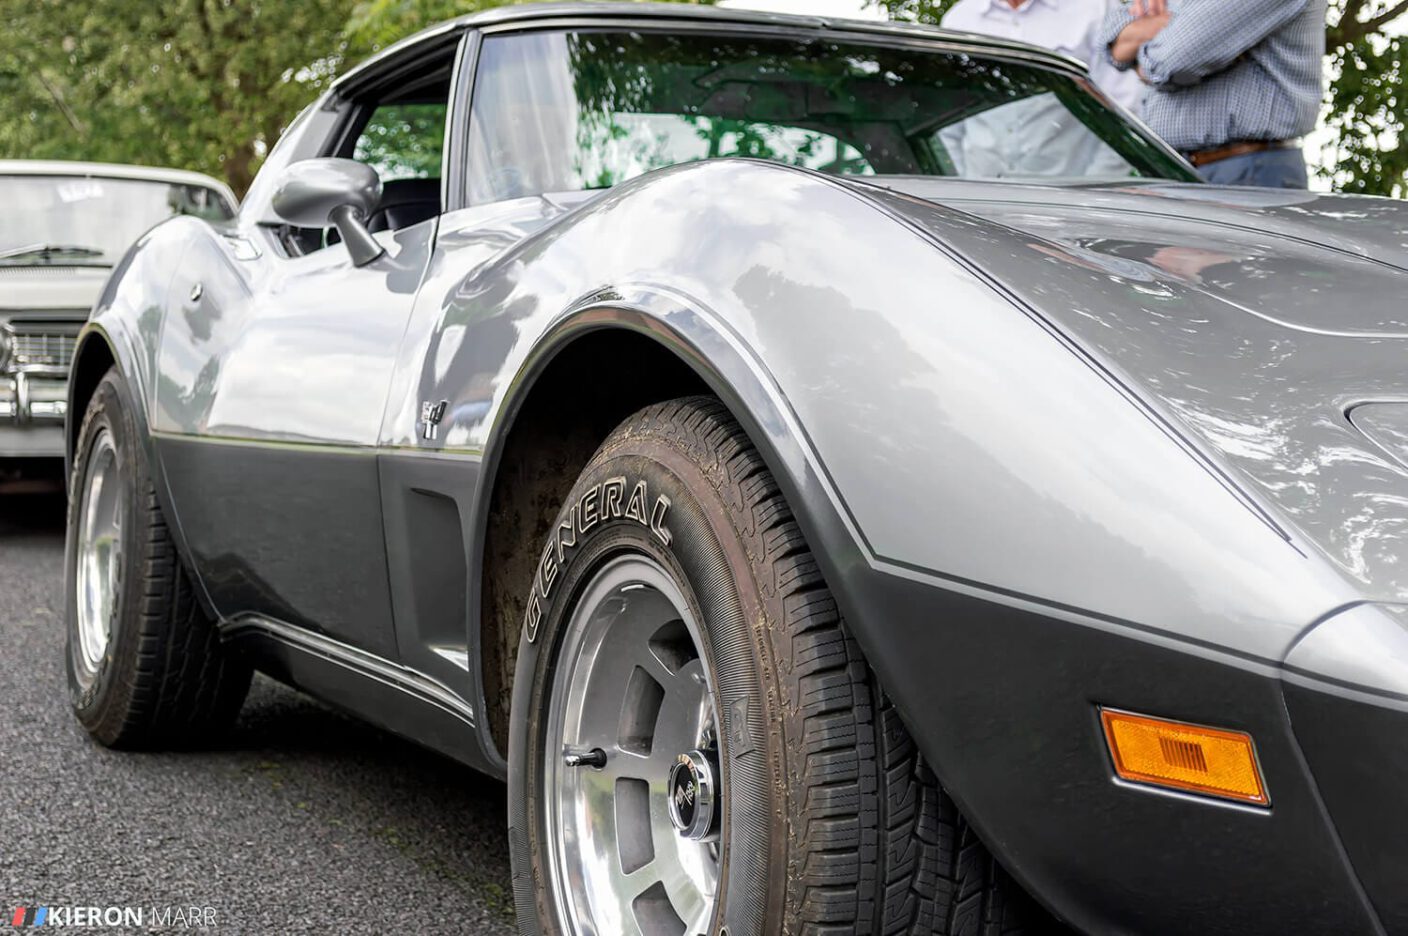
[1274,168]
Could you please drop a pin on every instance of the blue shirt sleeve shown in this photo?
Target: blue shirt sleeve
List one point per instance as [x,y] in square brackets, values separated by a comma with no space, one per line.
[1204,37]
[1115,22]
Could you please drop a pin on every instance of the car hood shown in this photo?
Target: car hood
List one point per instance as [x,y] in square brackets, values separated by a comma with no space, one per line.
[43,288]
[1260,320]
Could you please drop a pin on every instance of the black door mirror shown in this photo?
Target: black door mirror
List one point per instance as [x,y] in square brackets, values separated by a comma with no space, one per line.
[316,193]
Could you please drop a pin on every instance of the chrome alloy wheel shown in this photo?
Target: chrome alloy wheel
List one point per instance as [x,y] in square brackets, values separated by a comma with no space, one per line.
[99,551]
[632,724]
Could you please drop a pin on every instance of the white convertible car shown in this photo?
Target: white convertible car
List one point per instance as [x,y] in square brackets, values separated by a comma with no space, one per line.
[65,226]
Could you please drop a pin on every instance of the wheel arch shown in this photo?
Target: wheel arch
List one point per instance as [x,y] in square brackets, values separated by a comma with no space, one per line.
[124,330]
[92,359]
[98,350]
[677,350]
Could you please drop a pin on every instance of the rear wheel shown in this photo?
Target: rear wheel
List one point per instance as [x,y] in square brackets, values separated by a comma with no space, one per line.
[145,663]
[697,745]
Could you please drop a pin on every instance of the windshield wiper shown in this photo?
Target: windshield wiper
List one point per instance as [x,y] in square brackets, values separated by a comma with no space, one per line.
[49,251]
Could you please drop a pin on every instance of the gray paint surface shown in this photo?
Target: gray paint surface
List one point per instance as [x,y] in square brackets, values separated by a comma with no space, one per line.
[1256,320]
[1023,469]
[1111,421]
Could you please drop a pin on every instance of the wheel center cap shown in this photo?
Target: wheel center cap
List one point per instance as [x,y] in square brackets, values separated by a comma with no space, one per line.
[693,794]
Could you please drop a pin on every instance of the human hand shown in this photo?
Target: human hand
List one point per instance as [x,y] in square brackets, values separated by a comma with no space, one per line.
[1126,46]
[1142,8]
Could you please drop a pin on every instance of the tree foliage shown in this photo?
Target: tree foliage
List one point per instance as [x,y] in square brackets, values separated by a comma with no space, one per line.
[403,141]
[1367,102]
[195,84]
[199,84]
[1366,107]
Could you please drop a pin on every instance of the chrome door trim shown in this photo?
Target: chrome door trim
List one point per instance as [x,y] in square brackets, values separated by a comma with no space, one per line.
[412,682]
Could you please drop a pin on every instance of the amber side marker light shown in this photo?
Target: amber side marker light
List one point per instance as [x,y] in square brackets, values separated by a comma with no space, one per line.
[1184,757]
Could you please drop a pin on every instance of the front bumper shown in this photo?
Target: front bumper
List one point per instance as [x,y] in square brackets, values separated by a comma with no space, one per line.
[32,411]
[1003,700]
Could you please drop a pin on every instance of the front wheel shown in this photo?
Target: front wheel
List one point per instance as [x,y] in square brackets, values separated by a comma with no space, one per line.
[145,663]
[697,746]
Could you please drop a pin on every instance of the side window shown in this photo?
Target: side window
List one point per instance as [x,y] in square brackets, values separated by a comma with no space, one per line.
[403,141]
[566,111]
[199,201]
[559,112]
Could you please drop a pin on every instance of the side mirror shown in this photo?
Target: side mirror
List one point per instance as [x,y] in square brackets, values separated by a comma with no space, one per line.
[316,193]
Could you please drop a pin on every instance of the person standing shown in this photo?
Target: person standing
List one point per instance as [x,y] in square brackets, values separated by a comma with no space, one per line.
[1233,85]
[1069,26]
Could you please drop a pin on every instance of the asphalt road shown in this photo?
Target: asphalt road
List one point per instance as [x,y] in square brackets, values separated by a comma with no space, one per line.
[300,821]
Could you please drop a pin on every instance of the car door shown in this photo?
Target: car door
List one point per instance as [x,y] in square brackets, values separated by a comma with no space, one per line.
[275,375]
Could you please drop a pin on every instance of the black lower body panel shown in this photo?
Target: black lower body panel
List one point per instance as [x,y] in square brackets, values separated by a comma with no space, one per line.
[1004,698]
[388,695]
[1355,745]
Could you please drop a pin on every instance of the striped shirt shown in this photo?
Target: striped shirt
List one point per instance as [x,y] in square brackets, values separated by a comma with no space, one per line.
[1223,71]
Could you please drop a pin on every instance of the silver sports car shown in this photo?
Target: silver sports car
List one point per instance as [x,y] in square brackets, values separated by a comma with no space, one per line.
[845,477]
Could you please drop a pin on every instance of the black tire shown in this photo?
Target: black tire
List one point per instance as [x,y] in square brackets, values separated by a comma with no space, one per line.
[163,679]
[832,822]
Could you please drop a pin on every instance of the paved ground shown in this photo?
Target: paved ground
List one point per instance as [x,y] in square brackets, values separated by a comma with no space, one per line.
[301,821]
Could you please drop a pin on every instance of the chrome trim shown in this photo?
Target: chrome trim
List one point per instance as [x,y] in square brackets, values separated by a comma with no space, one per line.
[44,370]
[412,682]
[40,345]
[17,402]
[21,384]
[457,125]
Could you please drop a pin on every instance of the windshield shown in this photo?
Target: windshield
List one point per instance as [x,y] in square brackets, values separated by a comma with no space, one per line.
[80,220]
[563,111]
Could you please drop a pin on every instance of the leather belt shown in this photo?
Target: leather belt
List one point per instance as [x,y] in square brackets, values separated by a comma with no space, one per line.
[1239,148]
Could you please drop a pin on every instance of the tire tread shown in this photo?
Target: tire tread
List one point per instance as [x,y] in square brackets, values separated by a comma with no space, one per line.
[875,845]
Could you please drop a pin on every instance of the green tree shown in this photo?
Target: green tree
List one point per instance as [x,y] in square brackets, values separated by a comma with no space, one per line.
[195,84]
[1366,102]
[200,84]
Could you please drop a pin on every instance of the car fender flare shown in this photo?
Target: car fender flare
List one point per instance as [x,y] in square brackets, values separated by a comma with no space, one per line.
[709,347]
[108,340]
[717,355]
[131,338]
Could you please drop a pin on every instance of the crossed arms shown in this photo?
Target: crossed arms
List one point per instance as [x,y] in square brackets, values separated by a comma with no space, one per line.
[1203,38]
